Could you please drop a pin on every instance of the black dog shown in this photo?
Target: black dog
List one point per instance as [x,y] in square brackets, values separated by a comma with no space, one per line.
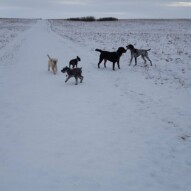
[111,56]
[74,62]
[76,73]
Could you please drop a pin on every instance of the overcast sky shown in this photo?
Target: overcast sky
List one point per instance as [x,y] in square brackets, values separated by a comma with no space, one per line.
[97,8]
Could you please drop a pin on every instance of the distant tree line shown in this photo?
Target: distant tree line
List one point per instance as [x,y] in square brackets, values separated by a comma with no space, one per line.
[91,19]
[107,19]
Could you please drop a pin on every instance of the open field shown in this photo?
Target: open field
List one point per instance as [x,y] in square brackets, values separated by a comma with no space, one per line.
[128,129]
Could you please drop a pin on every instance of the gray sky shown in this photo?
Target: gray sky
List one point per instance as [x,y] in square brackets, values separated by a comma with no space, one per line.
[97,8]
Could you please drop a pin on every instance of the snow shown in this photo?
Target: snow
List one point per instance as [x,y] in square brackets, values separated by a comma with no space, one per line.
[128,129]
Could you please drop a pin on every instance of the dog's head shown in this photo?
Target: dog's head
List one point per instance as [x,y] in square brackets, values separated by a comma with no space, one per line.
[121,50]
[130,46]
[65,69]
[54,61]
[78,58]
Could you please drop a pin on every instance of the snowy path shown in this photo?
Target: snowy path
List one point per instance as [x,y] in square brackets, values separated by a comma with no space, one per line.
[116,131]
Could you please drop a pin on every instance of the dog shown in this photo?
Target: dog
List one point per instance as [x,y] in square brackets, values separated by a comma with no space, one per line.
[111,56]
[76,73]
[138,52]
[52,63]
[74,62]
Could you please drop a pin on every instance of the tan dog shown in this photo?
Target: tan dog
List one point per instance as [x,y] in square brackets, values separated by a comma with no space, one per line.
[52,63]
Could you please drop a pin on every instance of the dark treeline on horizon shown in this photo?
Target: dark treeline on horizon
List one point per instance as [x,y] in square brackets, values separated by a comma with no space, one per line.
[91,19]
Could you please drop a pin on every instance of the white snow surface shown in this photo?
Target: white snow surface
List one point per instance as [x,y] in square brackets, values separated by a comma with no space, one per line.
[127,130]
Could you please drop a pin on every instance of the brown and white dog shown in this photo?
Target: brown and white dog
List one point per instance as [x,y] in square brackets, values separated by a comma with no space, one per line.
[52,63]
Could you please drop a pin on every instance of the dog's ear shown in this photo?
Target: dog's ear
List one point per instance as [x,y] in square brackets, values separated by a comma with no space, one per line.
[78,58]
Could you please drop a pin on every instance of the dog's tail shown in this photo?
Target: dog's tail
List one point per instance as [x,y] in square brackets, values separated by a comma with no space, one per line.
[98,50]
[49,57]
[149,49]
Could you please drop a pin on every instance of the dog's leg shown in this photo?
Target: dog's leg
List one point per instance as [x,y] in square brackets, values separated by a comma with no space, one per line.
[113,66]
[105,63]
[118,64]
[81,78]
[100,60]
[135,60]
[56,69]
[131,60]
[67,78]
[144,59]
[149,60]
[76,77]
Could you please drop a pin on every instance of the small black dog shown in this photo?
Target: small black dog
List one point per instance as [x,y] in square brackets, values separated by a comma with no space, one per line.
[111,56]
[76,73]
[74,62]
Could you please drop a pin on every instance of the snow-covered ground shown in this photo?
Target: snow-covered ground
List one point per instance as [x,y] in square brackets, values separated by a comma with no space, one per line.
[128,129]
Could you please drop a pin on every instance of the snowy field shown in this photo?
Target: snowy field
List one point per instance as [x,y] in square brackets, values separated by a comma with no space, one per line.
[127,130]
